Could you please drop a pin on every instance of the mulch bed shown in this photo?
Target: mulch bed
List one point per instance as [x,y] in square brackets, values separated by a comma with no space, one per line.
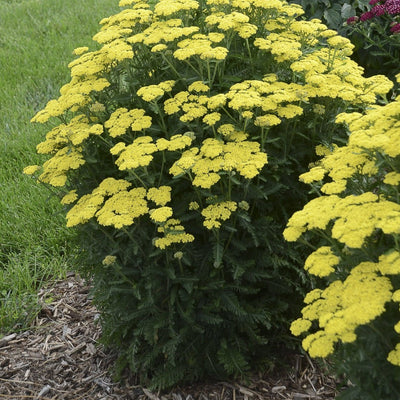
[60,358]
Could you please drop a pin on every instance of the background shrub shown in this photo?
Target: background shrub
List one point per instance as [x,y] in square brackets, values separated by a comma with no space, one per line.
[333,13]
[177,154]
[376,35]
[355,225]
[372,26]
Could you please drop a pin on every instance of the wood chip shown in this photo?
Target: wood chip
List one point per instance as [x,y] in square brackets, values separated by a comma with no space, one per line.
[59,358]
[5,339]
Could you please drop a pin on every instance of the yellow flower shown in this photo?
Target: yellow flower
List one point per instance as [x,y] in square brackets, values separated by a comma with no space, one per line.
[300,326]
[80,50]
[70,197]
[121,119]
[198,86]
[109,260]
[174,232]
[334,187]
[84,209]
[169,7]
[161,214]
[315,174]
[122,208]
[394,355]
[178,255]
[150,93]
[321,262]
[137,154]
[161,196]
[212,118]
[215,213]
[389,263]
[216,101]
[31,169]
[244,205]
[158,47]
[193,205]
[392,178]
[267,120]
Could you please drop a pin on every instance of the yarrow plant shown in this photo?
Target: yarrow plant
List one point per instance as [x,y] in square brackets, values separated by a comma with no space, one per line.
[357,218]
[173,147]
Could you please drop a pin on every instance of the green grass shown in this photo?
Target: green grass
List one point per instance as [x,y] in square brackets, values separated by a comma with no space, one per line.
[37,38]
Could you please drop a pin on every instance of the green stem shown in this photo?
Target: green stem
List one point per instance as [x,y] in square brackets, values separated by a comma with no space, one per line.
[209,73]
[137,177]
[228,114]
[161,114]
[250,57]
[229,186]
[171,65]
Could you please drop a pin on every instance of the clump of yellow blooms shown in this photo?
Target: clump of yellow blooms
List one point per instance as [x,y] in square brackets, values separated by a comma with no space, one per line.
[225,119]
[363,207]
[174,140]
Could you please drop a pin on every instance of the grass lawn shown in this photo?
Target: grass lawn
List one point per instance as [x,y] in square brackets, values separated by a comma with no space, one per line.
[37,38]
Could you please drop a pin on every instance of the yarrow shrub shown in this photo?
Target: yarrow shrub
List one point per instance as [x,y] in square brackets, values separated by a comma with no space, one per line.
[355,311]
[176,148]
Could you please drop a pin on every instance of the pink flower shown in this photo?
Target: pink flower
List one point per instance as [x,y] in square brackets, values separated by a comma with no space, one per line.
[378,10]
[395,28]
[352,20]
[393,6]
[372,2]
[366,16]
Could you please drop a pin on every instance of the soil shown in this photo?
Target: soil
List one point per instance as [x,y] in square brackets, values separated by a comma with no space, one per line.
[59,358]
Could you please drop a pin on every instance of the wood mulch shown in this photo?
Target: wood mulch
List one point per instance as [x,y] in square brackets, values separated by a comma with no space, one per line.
[59,358]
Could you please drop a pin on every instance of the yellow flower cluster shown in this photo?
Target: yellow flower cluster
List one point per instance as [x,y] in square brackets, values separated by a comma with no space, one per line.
[169,7]
[122,208]
[375,131]
[266,98]
[327,70]
[215,213]
[153,92]
[71,134]
[161,196]
[122,119]
[235,21]
[342,307]
[215,155]
[321,262]
[55,171]
[371,155]
[162,32]
[200,45]
[192,105]
[174,232]
[354,218]
[140,37]
[137,154]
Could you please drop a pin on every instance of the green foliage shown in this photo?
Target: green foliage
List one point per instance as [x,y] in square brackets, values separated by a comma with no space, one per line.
[177,154]
[365,363]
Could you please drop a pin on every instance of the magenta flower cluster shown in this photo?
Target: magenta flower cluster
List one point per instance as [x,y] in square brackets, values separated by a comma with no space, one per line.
[380,7]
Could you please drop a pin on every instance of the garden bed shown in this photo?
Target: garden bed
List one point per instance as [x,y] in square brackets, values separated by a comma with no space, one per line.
[60,358]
